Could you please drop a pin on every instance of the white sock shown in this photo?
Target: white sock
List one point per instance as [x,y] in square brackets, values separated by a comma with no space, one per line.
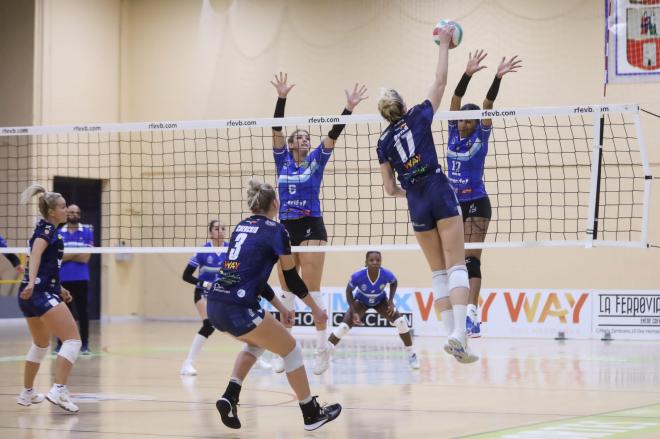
[236,380]
[409,349]
[472,312]
[448,320]
[321,338]
[460,312]
[195,347]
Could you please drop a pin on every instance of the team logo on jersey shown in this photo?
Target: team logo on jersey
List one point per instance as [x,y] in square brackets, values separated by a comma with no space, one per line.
[382,286]
[232,265]
[363,287]
[412,162]
[241,293]
[209,260]
[270,223]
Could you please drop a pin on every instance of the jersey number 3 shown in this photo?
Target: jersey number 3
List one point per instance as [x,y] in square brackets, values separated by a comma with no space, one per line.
[234,252]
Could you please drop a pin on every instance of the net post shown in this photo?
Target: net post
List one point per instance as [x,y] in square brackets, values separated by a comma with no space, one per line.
[647,179]
[596,161]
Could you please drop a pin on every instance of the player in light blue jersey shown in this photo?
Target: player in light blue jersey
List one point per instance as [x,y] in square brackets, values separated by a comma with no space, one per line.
[407,148]
[467,148]
[369,284]
[40,298]
[207,264]
[299,177]
[256,245]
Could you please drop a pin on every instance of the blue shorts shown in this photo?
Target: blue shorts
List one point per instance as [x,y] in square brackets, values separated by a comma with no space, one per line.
[39,303]
[235,319]
[431,200]
[370,302]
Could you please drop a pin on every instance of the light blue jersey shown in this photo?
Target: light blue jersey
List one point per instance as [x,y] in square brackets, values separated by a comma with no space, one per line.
[299,186]
[465,161]
[368,292]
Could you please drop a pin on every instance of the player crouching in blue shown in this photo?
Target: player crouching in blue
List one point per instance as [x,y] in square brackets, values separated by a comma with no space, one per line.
[256,245]
[370,283]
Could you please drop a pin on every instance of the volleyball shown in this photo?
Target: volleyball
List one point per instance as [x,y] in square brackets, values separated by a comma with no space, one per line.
[458,32]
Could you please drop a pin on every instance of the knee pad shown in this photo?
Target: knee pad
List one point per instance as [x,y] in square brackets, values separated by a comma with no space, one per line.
[294,359]
[473,265]
[401,325]
[458,277]
[319,298]
[341,330]
[70,350]
[440,285]
[206,329]
[36,354]
[288,299]
[253,350]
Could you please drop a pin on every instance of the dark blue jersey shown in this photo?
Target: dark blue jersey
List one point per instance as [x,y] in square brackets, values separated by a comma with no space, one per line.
[465,161]
[368,292]
[299,186]
[208,264]
[408,145]
[48,276]
[255,246]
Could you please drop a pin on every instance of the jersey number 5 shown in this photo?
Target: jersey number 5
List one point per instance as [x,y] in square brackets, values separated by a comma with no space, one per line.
[234,252]
[411,146]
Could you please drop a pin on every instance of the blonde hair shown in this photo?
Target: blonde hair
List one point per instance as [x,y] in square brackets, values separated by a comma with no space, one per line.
[47,200]
[391,105]
[260,196]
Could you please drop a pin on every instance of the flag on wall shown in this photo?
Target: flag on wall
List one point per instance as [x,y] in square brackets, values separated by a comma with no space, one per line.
[632,41]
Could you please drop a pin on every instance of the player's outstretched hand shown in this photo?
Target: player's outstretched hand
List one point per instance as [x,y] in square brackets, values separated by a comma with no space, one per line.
[474,62]
[281,86]
[356,96]
[508,66]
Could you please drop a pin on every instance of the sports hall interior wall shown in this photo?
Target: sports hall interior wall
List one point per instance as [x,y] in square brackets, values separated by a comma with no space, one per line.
[121,61]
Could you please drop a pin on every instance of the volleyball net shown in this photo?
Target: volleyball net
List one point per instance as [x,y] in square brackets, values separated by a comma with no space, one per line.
[559,176]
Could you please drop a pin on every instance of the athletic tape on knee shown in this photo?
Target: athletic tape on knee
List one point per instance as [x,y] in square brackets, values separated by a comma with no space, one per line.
[402,325]
[458,277]
[206,329]
[319,298]
[294,359]
[288,299]
[36,354]
[440,284]
[70,350]
[341,330]
[473,265]
[253,350]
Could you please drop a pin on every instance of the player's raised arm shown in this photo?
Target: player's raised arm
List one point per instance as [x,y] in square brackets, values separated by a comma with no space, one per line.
[352,100]
[283,90]
[506,66]
[473,66]
[438,88]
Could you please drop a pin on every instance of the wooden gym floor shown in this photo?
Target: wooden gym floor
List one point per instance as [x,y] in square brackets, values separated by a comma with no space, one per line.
[524,388]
